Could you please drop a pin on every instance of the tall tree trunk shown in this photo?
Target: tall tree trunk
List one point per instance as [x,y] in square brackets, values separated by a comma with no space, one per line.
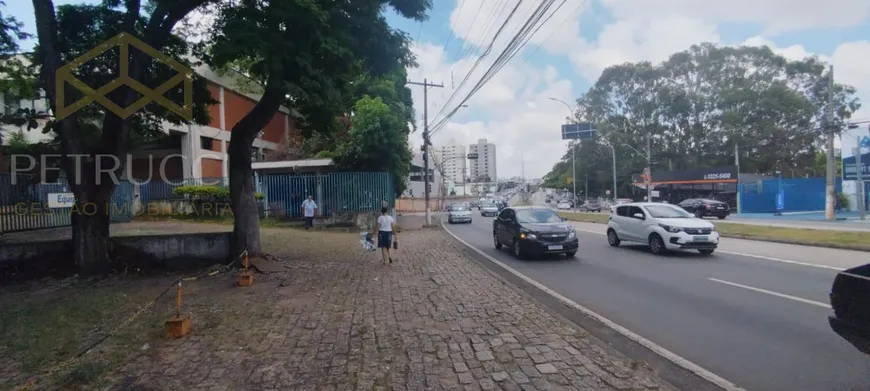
[90,220]
[246,219]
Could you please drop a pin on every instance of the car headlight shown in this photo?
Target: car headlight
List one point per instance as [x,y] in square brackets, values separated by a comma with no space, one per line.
[572,235]
[671,229]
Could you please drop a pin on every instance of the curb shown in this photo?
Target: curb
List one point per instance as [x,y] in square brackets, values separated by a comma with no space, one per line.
[838,246]
[662,352]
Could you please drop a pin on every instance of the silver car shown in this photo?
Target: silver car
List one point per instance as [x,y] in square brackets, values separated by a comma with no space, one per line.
[488,209]
[458,213]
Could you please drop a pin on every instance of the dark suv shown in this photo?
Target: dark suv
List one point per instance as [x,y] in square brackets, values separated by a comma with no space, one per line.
[533,230]
[701,208]
[850,300]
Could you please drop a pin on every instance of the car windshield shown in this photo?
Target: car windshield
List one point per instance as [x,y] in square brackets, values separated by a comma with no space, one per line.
[454,208]
[667,212]
[537,216]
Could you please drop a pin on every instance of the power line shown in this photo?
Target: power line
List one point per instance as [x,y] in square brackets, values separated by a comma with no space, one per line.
[516,44]
[450,32]
[480,58]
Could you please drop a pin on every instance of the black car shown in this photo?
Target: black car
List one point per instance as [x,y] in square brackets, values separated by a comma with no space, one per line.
[590,207]
[701,208]
[531,230]
[850,300]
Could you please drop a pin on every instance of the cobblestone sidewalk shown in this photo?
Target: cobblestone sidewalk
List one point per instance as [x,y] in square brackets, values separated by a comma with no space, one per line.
[338,320]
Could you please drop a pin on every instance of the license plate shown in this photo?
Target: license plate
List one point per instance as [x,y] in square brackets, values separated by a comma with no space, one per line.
[720,207]
[702,239]
[554,247]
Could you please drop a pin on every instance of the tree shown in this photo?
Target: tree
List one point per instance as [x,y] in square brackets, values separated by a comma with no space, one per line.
[305,54]
[700,106]
[378,142]
[68,32]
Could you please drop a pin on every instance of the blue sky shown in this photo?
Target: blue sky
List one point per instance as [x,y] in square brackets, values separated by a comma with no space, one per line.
[515,109]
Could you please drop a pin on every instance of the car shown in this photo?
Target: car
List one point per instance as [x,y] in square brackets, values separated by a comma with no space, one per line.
[590,207]
[563,205]
[458,213]
[701,208]
[530,230]
[488,209]
[850,301]
[664,227]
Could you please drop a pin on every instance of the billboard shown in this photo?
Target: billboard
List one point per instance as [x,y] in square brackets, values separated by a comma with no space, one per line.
[579,131]
[850,173]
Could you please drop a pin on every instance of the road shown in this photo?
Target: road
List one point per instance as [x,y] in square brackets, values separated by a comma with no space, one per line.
[755,318]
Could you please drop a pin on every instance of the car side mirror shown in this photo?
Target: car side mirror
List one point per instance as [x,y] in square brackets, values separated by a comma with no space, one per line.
[638,216]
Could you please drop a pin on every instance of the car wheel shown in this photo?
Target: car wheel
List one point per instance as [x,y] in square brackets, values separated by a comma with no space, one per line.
[570,254]
[722,217]
[469,221]
[705,251]
[699,214]
[656,244]
[449,221]
[495,241]
[612,238]
[518,251]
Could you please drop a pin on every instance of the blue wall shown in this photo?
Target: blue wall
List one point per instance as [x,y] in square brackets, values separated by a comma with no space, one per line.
[801,195]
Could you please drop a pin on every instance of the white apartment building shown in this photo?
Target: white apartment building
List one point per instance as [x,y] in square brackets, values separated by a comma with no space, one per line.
[484,166]
[451,158]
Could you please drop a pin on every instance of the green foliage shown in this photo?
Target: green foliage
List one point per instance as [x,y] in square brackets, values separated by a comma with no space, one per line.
[842,201]
[83,27]
[312,51]
[378,142]
[697,108]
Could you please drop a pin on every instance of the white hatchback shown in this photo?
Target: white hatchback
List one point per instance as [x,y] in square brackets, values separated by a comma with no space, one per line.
[662,226]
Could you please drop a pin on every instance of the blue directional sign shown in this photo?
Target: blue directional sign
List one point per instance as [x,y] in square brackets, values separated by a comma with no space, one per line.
[865,142]
[850,173]
[579,131]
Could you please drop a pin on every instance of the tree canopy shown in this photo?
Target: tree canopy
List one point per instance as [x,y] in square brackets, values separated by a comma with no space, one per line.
[699,108]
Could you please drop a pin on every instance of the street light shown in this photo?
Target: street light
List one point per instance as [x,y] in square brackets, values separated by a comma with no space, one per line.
[573,156]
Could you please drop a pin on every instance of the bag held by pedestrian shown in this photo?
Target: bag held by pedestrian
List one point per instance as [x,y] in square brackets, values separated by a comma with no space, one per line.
[395,244]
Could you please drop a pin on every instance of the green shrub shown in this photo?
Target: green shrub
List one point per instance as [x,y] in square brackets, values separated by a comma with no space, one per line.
[208,199]
[842,201]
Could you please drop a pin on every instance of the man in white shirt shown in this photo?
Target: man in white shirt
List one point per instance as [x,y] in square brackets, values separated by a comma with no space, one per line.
[309,208]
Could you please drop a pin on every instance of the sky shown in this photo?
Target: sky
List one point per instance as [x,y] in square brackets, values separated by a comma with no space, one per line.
[514,109]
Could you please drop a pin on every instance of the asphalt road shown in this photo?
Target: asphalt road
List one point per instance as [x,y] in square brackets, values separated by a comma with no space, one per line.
[761,324]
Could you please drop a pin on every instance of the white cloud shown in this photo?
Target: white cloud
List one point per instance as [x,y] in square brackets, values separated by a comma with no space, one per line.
[523,119]
[776,16]
[524,123]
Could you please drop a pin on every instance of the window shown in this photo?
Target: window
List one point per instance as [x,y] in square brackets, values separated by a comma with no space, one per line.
[537,216]
[206,143]
[666,212]
[622,211]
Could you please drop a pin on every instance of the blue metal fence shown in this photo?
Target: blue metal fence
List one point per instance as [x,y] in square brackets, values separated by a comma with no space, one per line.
[24,203]
[160,190]
[801,195]
[333,192]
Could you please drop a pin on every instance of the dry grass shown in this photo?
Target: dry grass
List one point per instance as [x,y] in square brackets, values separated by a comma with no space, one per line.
[815,237]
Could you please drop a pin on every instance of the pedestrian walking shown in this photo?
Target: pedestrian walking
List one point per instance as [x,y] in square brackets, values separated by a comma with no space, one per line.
[309,208]
[386,230]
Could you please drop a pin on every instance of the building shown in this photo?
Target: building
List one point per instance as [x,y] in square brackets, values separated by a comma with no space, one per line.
[187,151]
[201,150]
[850,141]
[452,162]
[416,186]
[482,169]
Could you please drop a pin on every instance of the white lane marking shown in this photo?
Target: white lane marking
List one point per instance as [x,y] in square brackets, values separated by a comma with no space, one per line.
[772,293]
[661,351]
[753,256]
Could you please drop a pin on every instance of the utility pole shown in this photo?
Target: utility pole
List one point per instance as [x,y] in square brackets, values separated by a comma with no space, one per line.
[830,165]
[859,181]
[649,166]
[574,174]
[426,143]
